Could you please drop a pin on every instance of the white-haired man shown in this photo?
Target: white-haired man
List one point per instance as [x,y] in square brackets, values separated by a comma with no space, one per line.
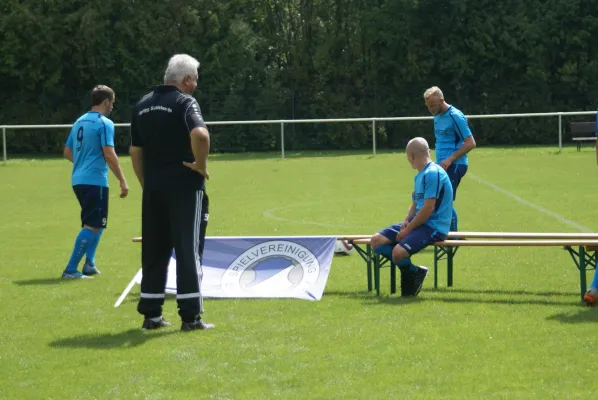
[427,220]
[169,151]
[453,140]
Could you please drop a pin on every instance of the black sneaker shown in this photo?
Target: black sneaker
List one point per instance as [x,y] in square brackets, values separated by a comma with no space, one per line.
[418,279]
[195,325]
[406,282]
[149,324]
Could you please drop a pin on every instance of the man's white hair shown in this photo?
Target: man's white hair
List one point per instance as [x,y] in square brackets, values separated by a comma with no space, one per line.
[180,66]
[433,91]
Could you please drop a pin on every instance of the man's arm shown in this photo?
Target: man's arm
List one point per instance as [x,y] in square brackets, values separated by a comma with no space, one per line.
[467,146]
[136,149]
[114,165]
[200,139]
[137,160]
[68,147]
[107,142]
[422,215]
[462,128]
[68,153]
[410,213]
[200,145]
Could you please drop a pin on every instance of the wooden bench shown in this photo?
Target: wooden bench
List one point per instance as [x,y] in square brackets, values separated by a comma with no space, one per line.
[579,245]
[582,132]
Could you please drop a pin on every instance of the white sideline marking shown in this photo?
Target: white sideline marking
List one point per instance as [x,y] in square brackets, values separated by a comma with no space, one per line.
[536,207]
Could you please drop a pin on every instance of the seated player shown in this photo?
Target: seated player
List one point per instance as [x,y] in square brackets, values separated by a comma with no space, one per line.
[428,219]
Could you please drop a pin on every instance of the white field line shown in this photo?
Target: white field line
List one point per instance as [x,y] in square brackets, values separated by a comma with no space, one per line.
[536,207]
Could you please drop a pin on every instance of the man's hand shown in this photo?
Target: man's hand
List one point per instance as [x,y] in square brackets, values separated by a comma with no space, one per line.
[446,163]
[195,167]
[124,189]
[403,233]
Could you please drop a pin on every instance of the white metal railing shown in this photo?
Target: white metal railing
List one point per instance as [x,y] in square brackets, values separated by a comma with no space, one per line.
[373,121]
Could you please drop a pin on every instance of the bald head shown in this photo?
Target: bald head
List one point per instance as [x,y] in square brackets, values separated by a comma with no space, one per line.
[418,147]
[418,153]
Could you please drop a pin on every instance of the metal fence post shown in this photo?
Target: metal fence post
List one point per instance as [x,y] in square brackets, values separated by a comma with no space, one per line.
[4,143]
[282,139]
[374,136]
[560,132]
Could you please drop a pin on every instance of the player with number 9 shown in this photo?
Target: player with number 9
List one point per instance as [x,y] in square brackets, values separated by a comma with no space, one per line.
[90,147]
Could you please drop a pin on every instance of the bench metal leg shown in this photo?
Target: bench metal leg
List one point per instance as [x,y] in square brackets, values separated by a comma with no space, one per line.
[449,266]
[366,255]
[582,259]
[435,267]
[441,253]
[377,273]
[582,271]
[369,266]
[393,277]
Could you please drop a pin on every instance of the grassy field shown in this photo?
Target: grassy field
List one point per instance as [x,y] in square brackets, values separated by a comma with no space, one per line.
[511,328]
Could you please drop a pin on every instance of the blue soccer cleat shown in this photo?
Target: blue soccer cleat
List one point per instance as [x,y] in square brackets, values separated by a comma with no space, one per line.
[74,275]
[89,270]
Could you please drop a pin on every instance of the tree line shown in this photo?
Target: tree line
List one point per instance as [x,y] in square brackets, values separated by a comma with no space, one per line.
[298,59]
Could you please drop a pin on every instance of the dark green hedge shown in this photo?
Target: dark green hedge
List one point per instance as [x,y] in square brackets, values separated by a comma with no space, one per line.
[303,59]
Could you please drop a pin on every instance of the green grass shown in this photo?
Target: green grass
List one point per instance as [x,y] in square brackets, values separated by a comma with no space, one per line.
[511,327]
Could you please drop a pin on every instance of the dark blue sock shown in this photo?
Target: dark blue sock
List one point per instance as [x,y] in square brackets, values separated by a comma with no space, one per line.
[85,237]
[454,222]
[385,250]
[91,248]
[406,263]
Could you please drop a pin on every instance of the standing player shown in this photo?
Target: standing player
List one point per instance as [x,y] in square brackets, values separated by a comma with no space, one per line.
[90,147]
[427,220]
[169,150]
[453,140]
[591,296]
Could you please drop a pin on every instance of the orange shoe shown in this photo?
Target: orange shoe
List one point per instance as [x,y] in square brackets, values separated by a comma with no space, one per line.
[591,297]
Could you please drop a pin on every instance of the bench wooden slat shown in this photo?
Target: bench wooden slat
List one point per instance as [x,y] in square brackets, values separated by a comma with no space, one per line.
[522,235]
[354,237]
[569,239]
[139,239]
[580,242]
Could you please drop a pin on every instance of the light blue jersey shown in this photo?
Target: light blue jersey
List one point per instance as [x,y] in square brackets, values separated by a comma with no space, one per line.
[450,129]
[90,133]
[433,183]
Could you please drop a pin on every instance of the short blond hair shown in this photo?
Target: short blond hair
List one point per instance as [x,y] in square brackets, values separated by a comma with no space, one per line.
[433,91]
